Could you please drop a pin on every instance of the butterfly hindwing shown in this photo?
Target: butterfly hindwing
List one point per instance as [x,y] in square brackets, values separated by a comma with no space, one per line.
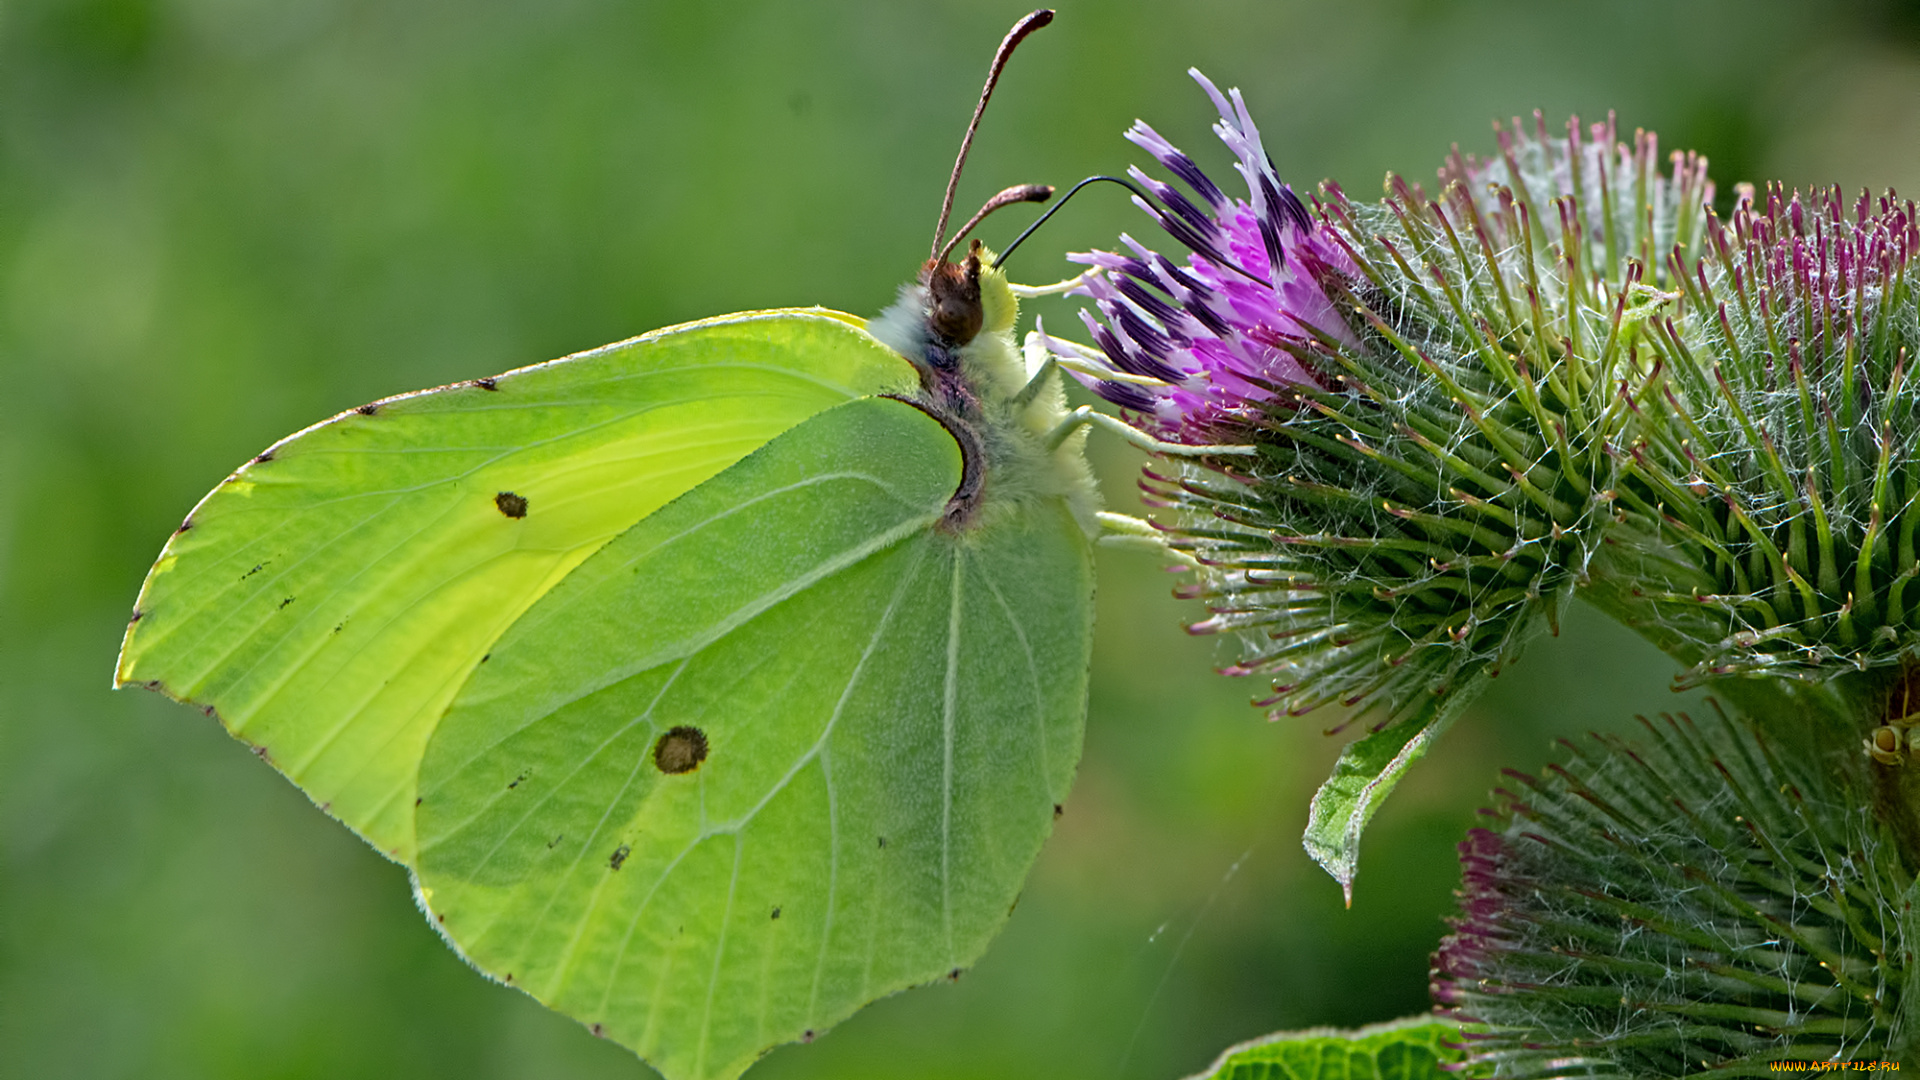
[329,599]
[783,747]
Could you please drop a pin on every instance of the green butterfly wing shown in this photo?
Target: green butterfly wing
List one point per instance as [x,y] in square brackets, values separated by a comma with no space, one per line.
[329,599]
[890,714]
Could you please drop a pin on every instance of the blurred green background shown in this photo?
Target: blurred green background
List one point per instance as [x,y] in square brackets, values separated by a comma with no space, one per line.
[221,220]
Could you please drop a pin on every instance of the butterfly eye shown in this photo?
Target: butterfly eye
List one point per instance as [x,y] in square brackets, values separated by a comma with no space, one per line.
[680,750]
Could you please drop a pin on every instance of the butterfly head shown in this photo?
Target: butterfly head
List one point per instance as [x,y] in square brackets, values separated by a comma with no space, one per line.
[954,309]
[955,325]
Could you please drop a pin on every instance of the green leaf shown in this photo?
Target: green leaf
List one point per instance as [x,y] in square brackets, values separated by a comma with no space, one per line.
[1411,1049]
[330,597]
[890,714]
[1367,772]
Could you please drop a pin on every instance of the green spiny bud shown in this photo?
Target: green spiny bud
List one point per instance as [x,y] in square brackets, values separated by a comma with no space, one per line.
[1702,903]
[1772,481]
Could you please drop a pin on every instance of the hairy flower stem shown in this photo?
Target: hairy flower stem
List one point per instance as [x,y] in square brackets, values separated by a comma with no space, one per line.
[1896,801]
[1827,722]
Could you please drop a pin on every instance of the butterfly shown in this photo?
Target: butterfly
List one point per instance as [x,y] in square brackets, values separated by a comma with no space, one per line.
[710,684]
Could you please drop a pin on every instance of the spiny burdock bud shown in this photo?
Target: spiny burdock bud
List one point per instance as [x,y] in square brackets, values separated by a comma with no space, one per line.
[1702,903]
[1772,480]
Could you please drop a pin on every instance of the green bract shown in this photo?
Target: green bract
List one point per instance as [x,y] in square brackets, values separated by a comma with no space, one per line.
[1773,486]
[708,694]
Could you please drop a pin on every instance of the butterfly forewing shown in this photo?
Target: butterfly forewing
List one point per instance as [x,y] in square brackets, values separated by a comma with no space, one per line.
[330,598]
[886,712]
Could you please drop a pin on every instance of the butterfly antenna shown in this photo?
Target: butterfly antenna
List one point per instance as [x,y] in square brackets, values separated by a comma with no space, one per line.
[1055,208]
[1020,30]
[1018,193]
[1139,197]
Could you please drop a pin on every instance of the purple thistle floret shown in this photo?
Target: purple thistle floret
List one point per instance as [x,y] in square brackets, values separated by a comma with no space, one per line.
[1206,339]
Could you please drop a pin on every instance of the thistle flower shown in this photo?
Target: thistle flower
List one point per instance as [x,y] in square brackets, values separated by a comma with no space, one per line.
[1564,372]
[1704,903]
[1429,386]
[1430,390]
[1208,339]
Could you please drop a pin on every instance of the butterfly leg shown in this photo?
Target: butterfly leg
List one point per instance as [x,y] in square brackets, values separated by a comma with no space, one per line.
[1028,292]
[1042,366]
[1125,530]
[1042,349]
[1087,416]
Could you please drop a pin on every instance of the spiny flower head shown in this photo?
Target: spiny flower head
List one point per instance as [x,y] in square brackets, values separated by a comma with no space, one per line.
[1591,182]
[1428,385]
[1775,466]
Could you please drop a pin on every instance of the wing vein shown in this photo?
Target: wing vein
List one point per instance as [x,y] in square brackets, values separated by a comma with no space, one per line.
[949,712]
[558,978]
[734,620]
[719,955]
[1033,674]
